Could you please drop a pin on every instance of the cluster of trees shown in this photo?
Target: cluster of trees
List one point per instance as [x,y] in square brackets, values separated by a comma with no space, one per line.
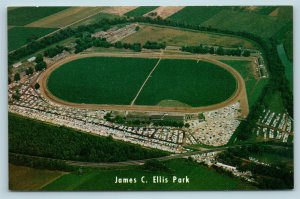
[173,123]
[137,47]
[36,45]
[122,120]
[51,52]
[27,136]
[17,77]
[39,163]
[154,45]
[37,86]
[203,49]
[274,176]
[16,95]
[277,83]
[87,41]
[40,64]
[29,71]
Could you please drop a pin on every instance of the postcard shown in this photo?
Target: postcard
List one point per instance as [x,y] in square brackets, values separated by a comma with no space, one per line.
[136,98]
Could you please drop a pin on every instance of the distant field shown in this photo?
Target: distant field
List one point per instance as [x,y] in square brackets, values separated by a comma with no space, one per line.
[26,178]
[253,87]
[260,20]
[18,36]
[179,37]
[201,178]
[189,82]
[196,14]
[140,11]
[25,15]
[96,18]
[100,79]
[265,26]
[66,17]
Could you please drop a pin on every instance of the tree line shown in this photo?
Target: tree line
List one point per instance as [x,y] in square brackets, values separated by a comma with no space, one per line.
[219,50]
[275,176]
[31,137]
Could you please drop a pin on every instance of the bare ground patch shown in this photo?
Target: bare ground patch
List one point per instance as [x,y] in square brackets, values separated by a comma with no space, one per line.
[274,13]
[66,17]
[165,11]
[121,10]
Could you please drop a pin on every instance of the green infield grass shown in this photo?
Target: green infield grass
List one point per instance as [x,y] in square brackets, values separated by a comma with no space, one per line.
[200,178]
[25,15]
[18,36]
[189,82]
[140,11]
[100,80]
[104,80]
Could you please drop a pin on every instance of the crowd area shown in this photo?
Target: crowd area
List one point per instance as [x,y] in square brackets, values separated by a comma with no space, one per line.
[218,126]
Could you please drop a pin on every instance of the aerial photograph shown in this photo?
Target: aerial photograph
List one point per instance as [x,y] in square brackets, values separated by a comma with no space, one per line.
[150,98]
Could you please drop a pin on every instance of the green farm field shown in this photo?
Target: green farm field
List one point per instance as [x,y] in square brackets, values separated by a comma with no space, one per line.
[201,178]
[26,178]
[66,17]
[25,15]
[18,36]
[140,11]
[189,82]
[265,26]
[98,80]
[196,14]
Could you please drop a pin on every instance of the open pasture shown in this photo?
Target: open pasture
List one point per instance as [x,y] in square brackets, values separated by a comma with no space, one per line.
[93,180]
[18,36]
[140,11]
[25,15]
[179,37]
[66,17]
